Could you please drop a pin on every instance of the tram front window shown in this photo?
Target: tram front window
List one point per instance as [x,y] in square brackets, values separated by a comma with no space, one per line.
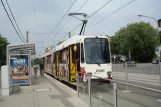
[97,50]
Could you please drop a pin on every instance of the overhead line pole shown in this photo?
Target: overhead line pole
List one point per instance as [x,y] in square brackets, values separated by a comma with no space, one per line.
[27,37]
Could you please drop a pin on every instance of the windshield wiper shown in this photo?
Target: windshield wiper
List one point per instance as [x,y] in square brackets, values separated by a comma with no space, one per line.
[96,57]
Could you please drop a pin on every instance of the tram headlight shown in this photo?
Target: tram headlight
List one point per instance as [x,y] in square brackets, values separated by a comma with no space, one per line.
[109,73]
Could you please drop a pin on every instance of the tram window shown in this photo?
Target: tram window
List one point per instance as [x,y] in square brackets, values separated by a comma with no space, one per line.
[48,59]
[82,53]
[65,55]
[73,54]
[60,56]
[77,53]
[53,58]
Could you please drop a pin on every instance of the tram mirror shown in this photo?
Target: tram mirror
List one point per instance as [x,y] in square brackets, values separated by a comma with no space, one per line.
[75,48]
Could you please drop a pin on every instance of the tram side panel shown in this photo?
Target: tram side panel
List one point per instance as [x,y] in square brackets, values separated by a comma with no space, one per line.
[72,65]
[63,64]
[51,64]
[48,64]
[54,65]
[45,67]
[57,66]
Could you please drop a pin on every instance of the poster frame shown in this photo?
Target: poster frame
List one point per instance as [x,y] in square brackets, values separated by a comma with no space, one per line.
[29,67]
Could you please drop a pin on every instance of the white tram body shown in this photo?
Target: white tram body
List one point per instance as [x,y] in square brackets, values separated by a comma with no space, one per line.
[87,54]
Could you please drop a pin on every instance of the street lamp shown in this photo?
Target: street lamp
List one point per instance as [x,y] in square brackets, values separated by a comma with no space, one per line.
[158,22]
[149,17]
[158,25]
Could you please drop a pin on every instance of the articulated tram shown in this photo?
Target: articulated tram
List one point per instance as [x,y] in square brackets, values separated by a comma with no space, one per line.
[79,54]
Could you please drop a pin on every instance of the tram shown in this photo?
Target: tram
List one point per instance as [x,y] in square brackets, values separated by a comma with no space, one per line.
[86,54]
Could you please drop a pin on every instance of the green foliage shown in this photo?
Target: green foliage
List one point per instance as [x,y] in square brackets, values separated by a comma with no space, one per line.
[140,38]
[36,61]
[114,45]
[3,45]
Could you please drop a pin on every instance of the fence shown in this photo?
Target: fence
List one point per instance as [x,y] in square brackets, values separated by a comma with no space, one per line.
[147,69]
[0,82]
[117,93]
[142,73]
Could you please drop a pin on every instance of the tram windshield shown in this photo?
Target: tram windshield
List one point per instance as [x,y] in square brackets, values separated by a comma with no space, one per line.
[97,50]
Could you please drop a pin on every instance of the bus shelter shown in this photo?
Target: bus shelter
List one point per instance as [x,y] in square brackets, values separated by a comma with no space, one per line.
[19,60]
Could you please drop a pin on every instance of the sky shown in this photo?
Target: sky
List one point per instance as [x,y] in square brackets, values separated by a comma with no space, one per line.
[40,17]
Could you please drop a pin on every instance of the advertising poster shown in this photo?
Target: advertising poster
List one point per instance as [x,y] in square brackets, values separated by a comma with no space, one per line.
[20,67]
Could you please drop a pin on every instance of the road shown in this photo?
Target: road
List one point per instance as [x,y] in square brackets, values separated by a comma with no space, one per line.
[146,75]
[141,79]
[102,96]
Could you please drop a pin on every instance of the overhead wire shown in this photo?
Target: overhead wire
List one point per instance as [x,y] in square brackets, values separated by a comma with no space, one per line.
[45,33]
[100,8]
[71,17]
[111,14]
[14,20]
[11,22]
[76,27]
[34,10]
[61,19]
[58,41]
[92,14]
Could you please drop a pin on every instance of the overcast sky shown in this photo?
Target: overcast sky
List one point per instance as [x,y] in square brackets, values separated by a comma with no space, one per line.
[49,12]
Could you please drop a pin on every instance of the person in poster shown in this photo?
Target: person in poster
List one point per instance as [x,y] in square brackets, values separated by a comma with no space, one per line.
[19,69]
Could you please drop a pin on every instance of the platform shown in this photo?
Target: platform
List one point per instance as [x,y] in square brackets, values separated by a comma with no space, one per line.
[44,92]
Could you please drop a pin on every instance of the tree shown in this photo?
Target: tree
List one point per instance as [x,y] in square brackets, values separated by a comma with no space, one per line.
[114,45]
[3,45]
[140,38]
[36,61]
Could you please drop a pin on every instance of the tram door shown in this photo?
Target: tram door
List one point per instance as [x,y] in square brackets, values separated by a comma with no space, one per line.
[56,65]
[74,64]
[45,64]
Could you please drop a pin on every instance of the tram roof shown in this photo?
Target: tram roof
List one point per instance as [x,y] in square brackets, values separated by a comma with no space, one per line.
[73,40]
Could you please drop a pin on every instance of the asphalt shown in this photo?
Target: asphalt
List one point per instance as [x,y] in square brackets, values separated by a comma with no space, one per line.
[102,96]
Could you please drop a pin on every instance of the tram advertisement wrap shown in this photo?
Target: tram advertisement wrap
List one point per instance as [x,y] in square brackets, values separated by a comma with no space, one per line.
[20,73]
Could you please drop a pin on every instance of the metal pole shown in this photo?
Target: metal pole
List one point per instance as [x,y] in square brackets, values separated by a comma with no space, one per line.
[115,94]
[159,55]
[7,56]
[89,89]
[69,35]
[29,57]
[145,71]
[126,77]
[77,84]
[129,56]
[160,72]
[27,38]
[82,28]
